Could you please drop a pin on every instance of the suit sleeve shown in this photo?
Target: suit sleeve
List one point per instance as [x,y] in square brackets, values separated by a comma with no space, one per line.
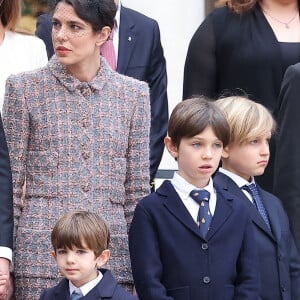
[157,80]
[43,31]
[16,125]
[145,258]
[6,198]
[200,64]
[287,162]
[137,174]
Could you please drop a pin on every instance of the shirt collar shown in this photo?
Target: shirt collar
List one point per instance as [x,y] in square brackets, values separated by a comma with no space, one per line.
[86,288]
[185,188]
[236,178]
[117,16]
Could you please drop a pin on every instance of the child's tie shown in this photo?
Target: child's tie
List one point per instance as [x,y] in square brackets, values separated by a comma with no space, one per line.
[75,296]
[204,216]
[252,190]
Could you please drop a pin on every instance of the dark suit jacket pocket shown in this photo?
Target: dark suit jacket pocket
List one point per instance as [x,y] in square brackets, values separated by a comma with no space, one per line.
[181,293]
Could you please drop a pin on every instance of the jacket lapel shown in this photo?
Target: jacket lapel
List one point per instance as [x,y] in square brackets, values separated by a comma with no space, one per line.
[222,212]
[227,184]
[62,291]
[127,40]
[174,204]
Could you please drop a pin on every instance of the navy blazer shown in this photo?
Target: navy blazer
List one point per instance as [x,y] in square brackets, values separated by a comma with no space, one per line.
[6,194]
[141,56]
[107,288]
[279,262]
[171,260]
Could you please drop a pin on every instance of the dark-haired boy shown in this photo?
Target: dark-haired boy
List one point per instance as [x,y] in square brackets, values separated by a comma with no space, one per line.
[183,249]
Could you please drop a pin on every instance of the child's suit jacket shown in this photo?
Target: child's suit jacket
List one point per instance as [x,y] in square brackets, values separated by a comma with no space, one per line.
[171,260]
[107,288]
[279,263]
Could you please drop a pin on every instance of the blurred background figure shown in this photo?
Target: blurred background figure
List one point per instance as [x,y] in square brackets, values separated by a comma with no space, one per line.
[287,160]
[244,46]
[18,51]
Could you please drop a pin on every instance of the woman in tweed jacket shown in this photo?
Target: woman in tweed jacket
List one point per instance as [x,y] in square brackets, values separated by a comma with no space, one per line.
[78,133]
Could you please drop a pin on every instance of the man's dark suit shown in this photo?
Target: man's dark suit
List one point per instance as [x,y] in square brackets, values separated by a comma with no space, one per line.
[287,159]
[279,263]
[171,260]
[107,288]
[6,195]
[141,56]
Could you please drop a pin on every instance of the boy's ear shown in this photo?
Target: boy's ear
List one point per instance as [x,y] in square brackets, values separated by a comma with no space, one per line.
[225,153]
[171,147]
[102,258]
[103,35]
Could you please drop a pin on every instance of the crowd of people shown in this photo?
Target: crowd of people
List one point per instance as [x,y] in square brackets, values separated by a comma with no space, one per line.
[85,123]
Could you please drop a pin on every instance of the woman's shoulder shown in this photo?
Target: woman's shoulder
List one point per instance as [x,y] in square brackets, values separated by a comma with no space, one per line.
[23,39]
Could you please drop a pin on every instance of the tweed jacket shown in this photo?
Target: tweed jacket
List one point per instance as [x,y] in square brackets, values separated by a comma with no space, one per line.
[79,146]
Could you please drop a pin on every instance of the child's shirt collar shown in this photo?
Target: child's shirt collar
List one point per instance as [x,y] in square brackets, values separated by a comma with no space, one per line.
[86,288]
[236,178]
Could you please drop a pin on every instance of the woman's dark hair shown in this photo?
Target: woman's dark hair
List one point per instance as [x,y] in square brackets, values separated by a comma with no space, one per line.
[10,11]
[98,13]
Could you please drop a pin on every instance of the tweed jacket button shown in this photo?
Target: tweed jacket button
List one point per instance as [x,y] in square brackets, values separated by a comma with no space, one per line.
[86,188]
[206,279]
[85,154]
[85,123]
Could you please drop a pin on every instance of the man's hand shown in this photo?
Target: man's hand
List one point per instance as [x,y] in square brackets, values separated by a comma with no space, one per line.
[5,283]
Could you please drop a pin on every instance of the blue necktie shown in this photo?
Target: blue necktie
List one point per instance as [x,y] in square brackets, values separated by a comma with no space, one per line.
[252,190]
[75,296]
[204,216]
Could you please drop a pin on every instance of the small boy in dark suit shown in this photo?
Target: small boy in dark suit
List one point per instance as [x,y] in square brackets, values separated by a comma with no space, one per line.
[246,155]
[80,241]
[190,240]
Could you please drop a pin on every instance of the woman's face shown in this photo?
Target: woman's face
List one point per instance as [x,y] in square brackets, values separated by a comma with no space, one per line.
[74,41]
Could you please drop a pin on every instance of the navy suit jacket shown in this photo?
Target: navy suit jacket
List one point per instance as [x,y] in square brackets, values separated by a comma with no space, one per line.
[171,260]
[107,288]
[279,262]
[6,194]
[141,56]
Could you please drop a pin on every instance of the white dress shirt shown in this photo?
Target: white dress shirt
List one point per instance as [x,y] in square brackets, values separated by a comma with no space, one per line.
[184,188]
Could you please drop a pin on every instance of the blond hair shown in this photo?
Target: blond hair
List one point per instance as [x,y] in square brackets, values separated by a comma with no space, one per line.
[246,118]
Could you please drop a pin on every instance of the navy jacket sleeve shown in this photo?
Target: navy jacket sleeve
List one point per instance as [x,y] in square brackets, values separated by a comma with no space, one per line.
[287,160]
[6,197]
[157,80]
[43,31]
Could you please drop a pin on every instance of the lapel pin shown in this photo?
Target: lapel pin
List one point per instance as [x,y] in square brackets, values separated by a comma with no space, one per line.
[129,38]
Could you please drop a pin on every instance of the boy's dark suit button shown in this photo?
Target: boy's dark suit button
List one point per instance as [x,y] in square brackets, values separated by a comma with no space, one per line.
[283,288]
[206,279]
[204,246]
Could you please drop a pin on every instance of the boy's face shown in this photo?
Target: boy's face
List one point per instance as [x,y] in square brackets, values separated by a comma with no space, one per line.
[79,264]
[248,159]
[198,157]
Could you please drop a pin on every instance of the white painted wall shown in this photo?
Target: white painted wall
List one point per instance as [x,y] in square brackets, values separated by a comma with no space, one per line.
[178,21]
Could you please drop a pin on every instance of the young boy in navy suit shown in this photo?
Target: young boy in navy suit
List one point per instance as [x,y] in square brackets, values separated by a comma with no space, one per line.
[246,156]
[191,240]
[80,241]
